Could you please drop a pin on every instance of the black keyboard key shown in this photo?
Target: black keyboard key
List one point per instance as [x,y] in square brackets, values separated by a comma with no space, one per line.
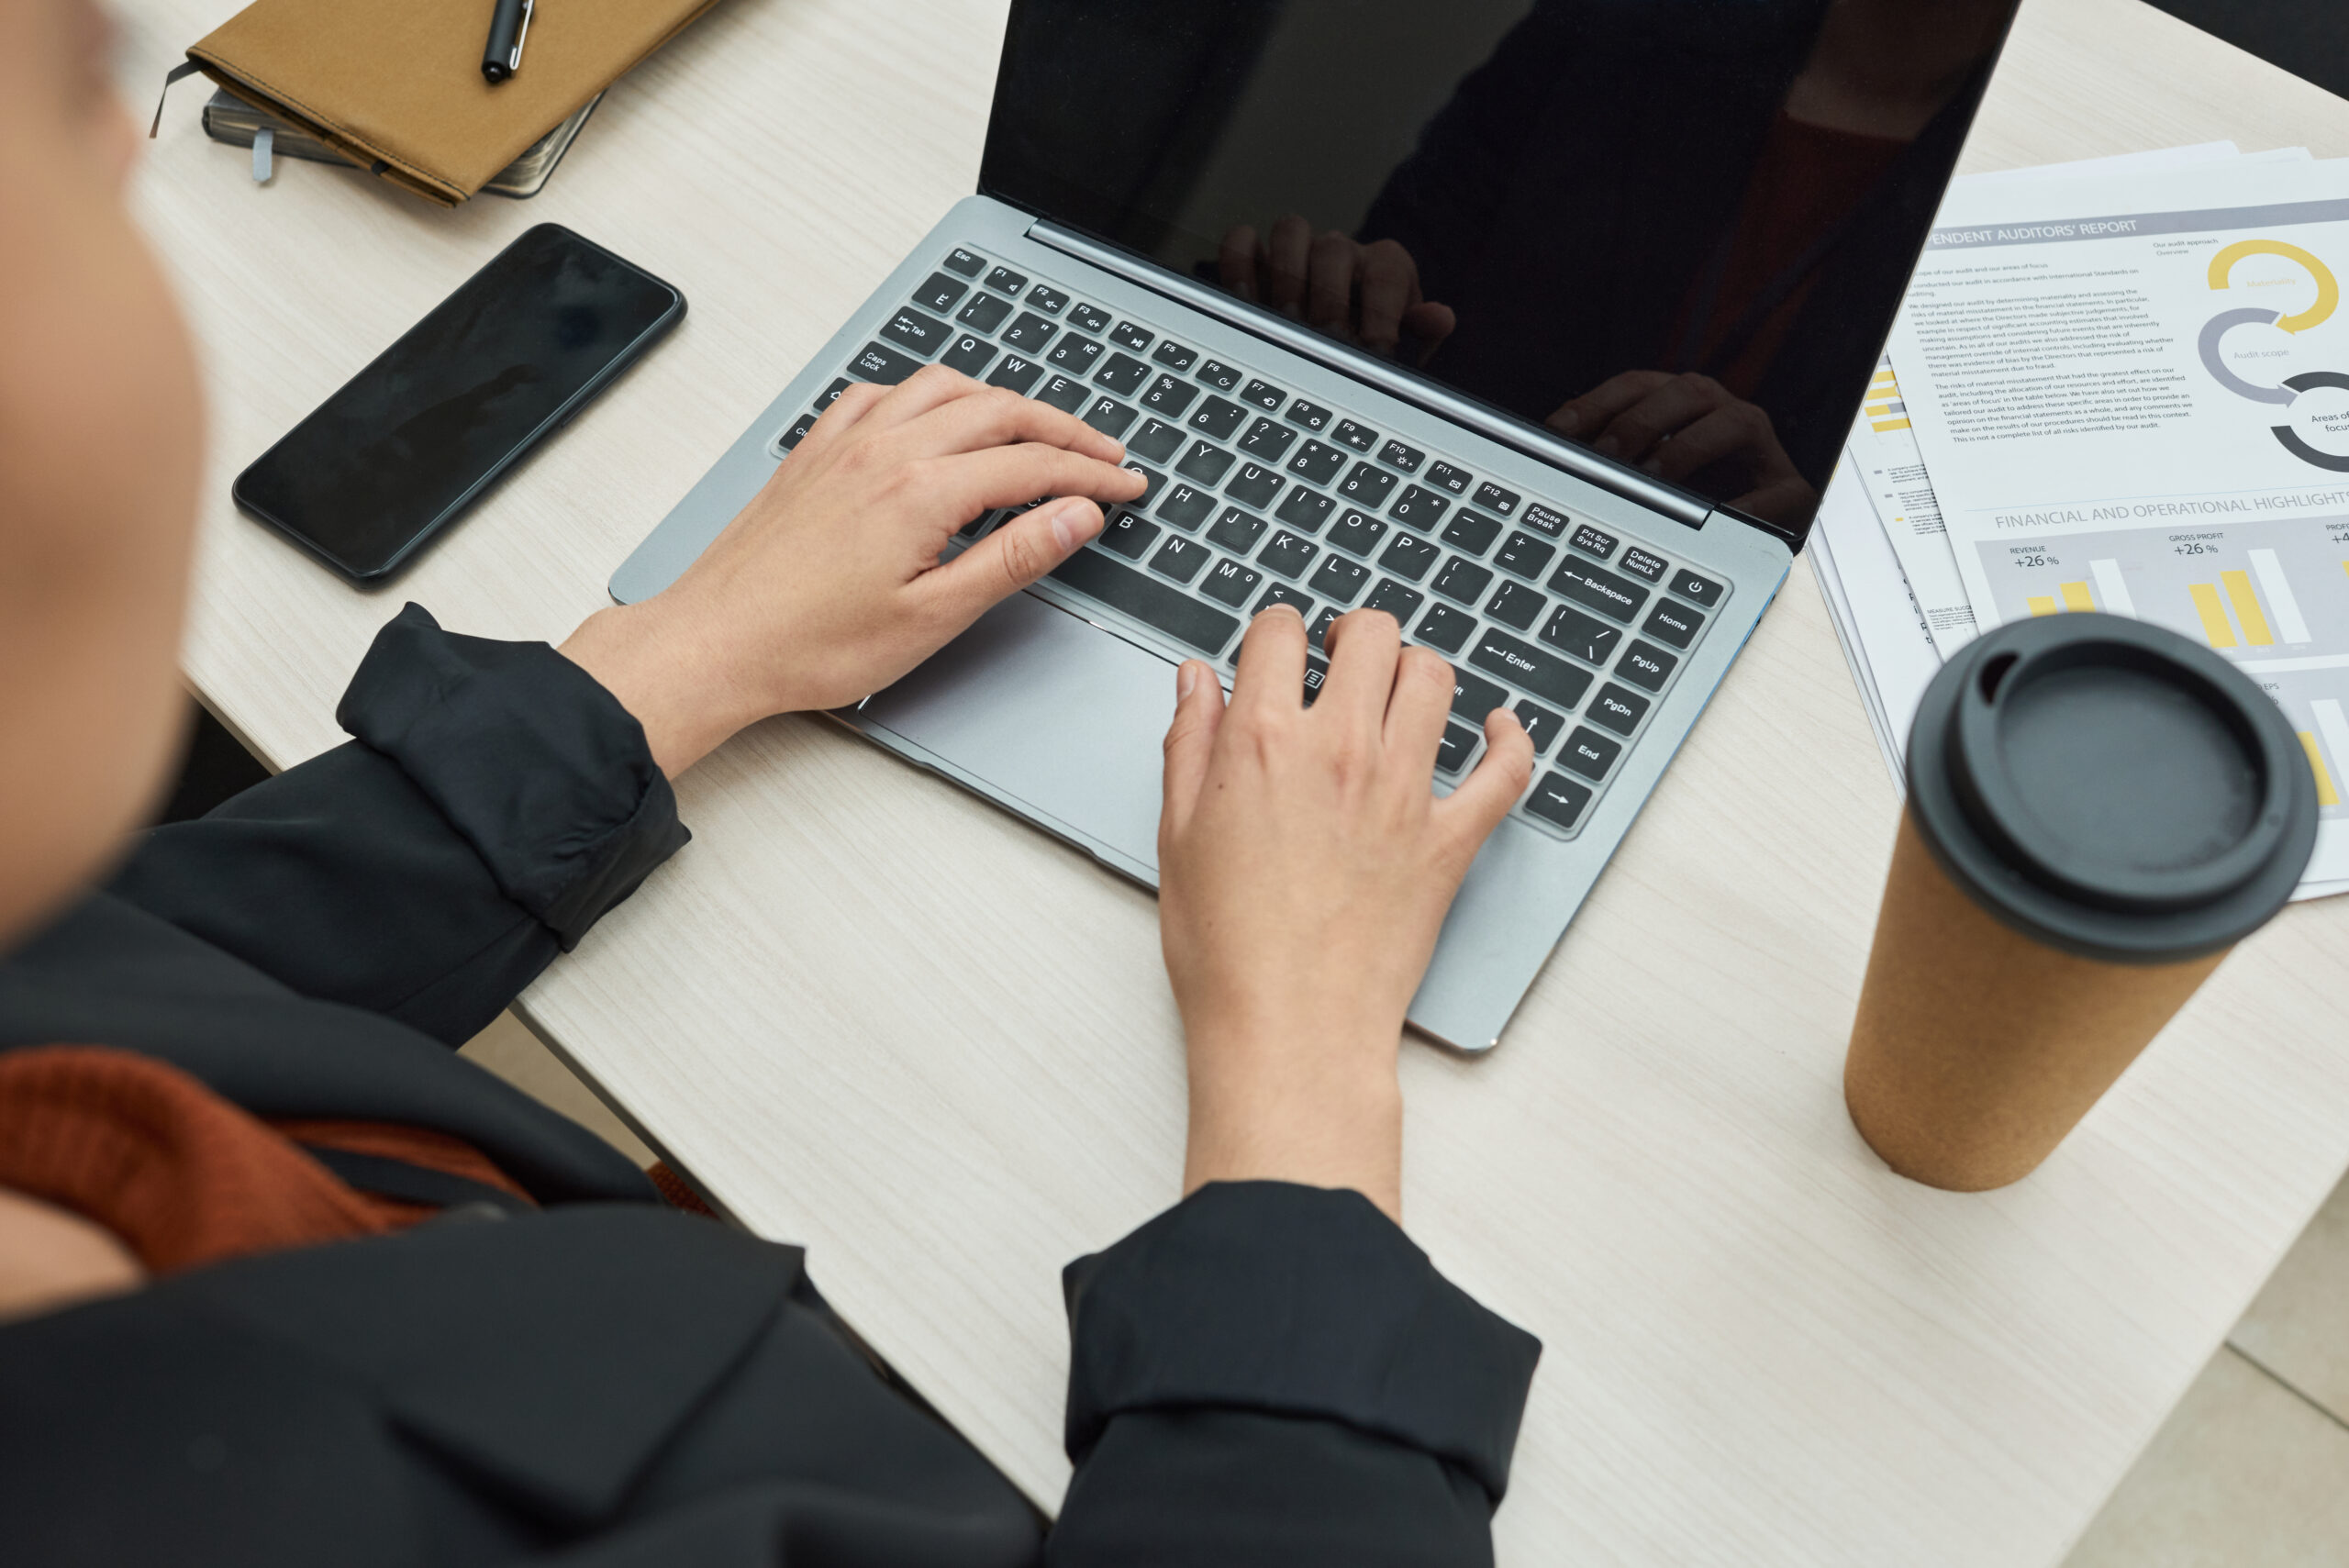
[1589,754]
[1446,628]
[1122,374]
[1073,354]
[798,432]
[1180,559]
[1617,708]
[1016,373]
[1264,395]
[1395,599]
[831,394]
[1174,356]
[1514,604]
[1395,454]
[1542,726]
[1282,594]
[1647,666]
[1305,510]
[1418,507]
[1359,532]
[986,313]
[1471,531]
[1317,462]
[1167,397]
[1362,438]
[1409,556]
[1525,555]
[1186,506]
[1148,600]
[1003,280]
[1030,333]
[1287,554]
[940,293]
[1128,534]
[1204,462]
[1558,799]
[1312,416]
[886,366]
[1368,486]
[1066,393]
[1443,476]
[1048,299]
[1473,697]
[1221,376]
[1109,417]
[1231,583]
[967,262]
[1548,519]
[1522,665]
[1267,441]
[1236,531]
[1219,418]
[1152,482]
[1641,563]
[1589,540]
[1318,634]
[970,354]
[1459,745]
[1694,589]
[1617,598]
[1317,670]
[1587,637]
[1676,624]
[1156,440]
[1462,580]
[1254,485]
[1090,318]
[1125,335]
[1493,498]
[1338,578]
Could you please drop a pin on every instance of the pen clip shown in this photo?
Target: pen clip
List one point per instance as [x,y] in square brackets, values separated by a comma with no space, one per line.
[514,61]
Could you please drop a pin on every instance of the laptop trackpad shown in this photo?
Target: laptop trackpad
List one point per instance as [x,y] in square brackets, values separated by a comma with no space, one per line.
[1051,711]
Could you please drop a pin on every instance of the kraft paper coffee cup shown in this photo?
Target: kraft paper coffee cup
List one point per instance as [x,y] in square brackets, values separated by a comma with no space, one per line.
[2097,811]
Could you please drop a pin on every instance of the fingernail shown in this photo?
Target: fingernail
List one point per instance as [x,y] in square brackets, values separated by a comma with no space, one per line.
[1185,683]
[1565,421]
[1653,465]
[1607,445]
[1072,526]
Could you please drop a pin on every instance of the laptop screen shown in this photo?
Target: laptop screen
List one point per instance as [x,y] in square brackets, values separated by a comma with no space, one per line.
[1675,230]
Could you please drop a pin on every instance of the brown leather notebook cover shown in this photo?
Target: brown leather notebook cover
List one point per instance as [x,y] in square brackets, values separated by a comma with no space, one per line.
[397,83]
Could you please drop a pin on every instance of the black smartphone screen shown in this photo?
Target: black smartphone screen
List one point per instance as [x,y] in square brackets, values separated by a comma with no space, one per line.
[408,442]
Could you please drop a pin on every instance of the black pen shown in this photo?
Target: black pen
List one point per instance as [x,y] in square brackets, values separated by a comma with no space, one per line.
[502,56]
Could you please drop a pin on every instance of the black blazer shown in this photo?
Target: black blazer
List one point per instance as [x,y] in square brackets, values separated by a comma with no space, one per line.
[1264,1373]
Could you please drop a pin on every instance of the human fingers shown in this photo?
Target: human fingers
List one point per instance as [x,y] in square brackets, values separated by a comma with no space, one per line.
[1016,554]
[1271,674]
[1783,498]
[962,485]
[1363,646]
[1330,284]
[933,386]
[850,407]
[1634,434]
[1469,813]
[1418,710]
[996,417]
[1430,323]
[1735,427]
[1588,415]
[1390,285]
[1190,743]
[1287,254]
[1235,260]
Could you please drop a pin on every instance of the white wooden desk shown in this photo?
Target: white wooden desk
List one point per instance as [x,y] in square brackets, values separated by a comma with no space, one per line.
[879,1018]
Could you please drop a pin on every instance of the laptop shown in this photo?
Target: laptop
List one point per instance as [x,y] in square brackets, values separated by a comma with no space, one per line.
[1537,323]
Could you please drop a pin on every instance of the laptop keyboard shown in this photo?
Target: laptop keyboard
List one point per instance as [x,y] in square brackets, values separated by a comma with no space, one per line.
[1258,496]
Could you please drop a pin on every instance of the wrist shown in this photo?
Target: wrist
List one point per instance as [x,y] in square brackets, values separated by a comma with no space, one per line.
[1320,1112]
[669,683]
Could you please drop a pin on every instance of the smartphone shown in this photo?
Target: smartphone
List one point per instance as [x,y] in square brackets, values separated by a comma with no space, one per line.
[408,443]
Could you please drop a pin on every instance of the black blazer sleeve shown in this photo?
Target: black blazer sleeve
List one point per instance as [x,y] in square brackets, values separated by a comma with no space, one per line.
[495,802]
[1275,1375]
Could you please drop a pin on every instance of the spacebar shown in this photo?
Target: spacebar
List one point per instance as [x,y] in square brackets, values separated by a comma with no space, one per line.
[1147,600]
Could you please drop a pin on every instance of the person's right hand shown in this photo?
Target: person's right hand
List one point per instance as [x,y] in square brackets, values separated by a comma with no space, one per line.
[827,586]
[1366,294]
[1305,867]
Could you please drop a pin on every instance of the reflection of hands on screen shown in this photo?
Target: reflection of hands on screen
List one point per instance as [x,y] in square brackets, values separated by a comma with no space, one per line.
[1365,294]
[1675,426]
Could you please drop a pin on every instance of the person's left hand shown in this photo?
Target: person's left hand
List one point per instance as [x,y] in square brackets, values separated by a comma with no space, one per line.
[1366,294]
[1673,426]
[827,587]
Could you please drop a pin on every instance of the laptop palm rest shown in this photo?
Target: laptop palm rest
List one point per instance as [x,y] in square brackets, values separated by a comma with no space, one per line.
[1049,713]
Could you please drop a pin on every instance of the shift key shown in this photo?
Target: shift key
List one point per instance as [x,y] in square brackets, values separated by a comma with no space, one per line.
[1546,675]
[1473,696]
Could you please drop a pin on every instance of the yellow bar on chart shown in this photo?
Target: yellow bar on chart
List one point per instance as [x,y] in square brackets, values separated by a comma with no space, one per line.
[2325,794]
[2041,605]
[2215,629]
[2246,603]
[2075,597]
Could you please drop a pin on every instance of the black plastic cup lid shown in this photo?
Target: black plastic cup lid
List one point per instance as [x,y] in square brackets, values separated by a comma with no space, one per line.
[2111,789]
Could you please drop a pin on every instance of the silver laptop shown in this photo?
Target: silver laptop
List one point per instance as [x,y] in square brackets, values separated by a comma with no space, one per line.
[1335,271]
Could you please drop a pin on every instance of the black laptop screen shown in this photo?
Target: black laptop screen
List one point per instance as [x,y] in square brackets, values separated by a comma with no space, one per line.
[1677,231]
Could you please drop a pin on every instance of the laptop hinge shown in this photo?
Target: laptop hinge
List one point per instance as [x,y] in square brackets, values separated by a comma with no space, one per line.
[1628,482]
